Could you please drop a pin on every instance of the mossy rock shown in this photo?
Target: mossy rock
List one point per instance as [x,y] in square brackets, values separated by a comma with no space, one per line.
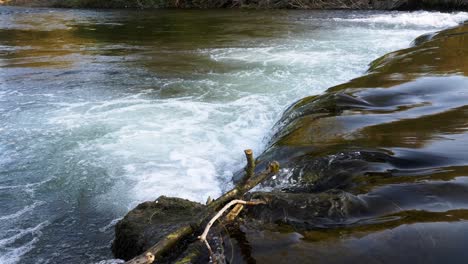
[149,222]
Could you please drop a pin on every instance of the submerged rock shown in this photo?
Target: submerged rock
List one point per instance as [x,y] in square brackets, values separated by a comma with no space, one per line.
[404,116]
[377,162]
[393,142]
[305,210]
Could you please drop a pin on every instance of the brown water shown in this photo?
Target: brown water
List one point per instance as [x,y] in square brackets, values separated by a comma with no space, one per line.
[396,140]
[101,110]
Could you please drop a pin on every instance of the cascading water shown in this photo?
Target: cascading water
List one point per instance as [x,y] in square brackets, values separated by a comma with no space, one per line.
[103,110]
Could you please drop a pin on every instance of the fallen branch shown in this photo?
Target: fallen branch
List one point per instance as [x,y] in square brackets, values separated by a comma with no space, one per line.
[162,246]
[247,185]
[218,215]
[250,169]
[219,205]
[234,212]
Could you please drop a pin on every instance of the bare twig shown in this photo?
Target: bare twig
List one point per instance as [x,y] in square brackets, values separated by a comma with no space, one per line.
[250,169]
[202,237]
[224,202]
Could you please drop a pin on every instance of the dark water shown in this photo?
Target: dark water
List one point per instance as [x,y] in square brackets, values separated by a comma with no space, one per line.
[100,110]
[396,142]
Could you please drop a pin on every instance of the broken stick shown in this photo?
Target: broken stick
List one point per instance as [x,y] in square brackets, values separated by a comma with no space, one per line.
[250,181]
[250,168]
[202,237]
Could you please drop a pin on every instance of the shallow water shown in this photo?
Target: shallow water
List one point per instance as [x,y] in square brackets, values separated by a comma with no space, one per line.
[375,168]
[101,110]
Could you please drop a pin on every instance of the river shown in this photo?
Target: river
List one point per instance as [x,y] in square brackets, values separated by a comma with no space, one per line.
[101,110]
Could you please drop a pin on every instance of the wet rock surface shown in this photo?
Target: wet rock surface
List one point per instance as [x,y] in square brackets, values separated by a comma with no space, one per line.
[305,210]
[374,170]
[402,117]
[392,147]
[149,222]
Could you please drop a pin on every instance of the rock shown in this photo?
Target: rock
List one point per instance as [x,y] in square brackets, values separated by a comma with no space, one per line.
[305,210]
[146,224]
[335,171]
[377,126]
[381,152]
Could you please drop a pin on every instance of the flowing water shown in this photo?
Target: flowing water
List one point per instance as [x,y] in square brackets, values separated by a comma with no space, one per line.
[101,110]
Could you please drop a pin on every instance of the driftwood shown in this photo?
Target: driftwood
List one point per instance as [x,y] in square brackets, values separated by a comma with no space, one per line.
[218,206]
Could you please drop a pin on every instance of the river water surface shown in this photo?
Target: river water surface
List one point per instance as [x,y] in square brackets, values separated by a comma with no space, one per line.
[101,110]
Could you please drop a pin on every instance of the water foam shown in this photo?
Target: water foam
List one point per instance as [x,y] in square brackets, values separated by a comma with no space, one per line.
[190,144]
[422,19]
[21,233]
[13,254]
[19,213]
[108,133]
[110,225]
[29,187]
[166,142]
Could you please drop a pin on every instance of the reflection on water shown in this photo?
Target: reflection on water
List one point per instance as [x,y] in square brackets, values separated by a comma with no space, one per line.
[101,110]
[425,243]
[396,140]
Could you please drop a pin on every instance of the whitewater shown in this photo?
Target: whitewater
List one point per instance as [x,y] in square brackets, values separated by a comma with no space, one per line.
[102,110]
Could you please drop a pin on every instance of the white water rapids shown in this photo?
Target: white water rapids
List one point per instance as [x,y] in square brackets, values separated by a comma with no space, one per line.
[95,118]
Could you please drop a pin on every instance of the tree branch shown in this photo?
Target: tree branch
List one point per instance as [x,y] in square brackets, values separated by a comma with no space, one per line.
[231,197]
